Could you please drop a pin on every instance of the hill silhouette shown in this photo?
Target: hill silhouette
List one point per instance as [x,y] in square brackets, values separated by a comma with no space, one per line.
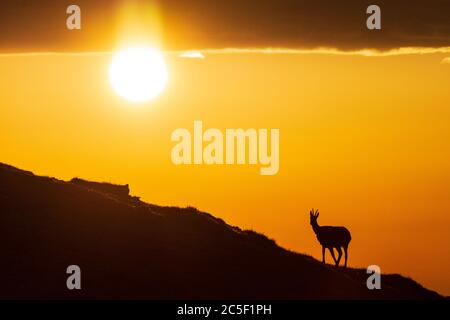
[128,249]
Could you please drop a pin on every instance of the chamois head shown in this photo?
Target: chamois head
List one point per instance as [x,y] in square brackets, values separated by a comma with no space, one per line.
[313,215]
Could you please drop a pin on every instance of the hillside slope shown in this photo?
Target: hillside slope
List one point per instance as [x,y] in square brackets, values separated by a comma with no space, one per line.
[130,249]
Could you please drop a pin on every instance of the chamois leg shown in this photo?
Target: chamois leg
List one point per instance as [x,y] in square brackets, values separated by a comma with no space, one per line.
[345,252]
[339,250]
[332,254]
[323,254]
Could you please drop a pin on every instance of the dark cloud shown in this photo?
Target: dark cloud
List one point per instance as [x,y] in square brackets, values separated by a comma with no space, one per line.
[30,25]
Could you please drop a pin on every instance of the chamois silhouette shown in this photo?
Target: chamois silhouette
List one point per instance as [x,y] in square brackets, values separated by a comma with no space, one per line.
[330,238]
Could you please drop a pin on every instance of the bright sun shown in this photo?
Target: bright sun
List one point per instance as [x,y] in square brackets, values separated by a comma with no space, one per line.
[138,74]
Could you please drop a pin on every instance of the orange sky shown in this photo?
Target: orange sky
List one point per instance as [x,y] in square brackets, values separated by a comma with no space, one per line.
[364,139]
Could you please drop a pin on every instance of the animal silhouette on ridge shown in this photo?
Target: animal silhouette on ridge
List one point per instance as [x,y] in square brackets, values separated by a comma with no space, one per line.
[331,238]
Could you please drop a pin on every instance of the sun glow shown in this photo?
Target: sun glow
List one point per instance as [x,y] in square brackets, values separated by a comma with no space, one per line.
[138,74]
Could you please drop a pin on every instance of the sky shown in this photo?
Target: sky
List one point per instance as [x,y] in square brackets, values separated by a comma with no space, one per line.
[199,24]
[363,137]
